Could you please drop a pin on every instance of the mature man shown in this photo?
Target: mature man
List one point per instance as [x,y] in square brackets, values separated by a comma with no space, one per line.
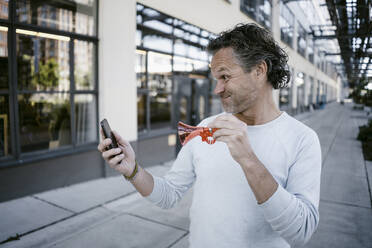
[258,185]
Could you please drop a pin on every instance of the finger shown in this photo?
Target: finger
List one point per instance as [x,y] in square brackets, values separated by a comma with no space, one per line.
[104,144]
[119,139]
[102,134]
[224,139]
[225,132]
[112,152]
[221,124]
[115,161]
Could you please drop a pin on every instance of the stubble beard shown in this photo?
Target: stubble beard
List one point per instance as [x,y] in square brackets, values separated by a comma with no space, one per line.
[235,106]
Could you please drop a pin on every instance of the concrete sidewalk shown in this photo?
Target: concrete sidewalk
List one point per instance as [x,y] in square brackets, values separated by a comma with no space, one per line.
[109,213]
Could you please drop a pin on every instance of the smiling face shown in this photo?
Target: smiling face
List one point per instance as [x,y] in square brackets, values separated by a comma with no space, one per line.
[238,90]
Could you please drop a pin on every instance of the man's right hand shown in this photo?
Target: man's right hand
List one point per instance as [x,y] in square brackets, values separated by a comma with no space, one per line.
[125,162]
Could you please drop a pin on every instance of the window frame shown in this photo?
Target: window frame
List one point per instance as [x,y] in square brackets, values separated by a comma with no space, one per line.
[18,158]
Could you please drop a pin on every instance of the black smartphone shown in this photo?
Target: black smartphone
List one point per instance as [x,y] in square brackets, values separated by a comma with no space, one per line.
[108,134]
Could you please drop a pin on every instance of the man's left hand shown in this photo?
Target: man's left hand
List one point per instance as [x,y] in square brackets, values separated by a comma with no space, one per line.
[234,133]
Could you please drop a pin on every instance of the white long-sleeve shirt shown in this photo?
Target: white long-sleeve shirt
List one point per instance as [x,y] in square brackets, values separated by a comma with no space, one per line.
[224,211]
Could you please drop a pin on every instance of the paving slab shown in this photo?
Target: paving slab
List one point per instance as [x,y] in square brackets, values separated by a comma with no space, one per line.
[83,196]
[342,226]
[22,215]
[369,176]
[125,231]
[177,217]
[343,188]
[62,230]
[182,243]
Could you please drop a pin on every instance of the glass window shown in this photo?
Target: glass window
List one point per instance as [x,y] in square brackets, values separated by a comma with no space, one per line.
[284,96]
[141,111]
[78,16]
[4,58]
[155,24]
[310,49]
[84,65]
[44,121]
[141,68]
[5,141]
[43,63]
[138,37]
[249,7]
[182,64]
[154,41]
[173,46]
[259,10]
[4,9]
[286,22]
[301,40]
[85,118]
[160,109]
[159,72]
[264,12]
[300,82]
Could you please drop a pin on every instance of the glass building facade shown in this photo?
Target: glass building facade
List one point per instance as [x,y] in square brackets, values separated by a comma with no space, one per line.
[166,48]
[48,82]
[258,10]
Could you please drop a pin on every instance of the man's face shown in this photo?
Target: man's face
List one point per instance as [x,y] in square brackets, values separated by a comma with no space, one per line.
[237,89]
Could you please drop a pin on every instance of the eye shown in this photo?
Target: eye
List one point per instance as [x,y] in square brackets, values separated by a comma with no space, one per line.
[225,77]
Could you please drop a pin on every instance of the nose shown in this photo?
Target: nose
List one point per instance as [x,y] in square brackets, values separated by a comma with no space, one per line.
[219,87]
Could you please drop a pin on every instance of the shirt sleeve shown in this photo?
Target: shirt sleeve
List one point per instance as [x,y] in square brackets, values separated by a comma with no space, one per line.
[170,189]
[293,211]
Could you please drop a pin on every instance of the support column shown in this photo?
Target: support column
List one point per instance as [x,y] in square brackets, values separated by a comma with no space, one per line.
[306,89]
[117,83]
[275,29]
[294,91]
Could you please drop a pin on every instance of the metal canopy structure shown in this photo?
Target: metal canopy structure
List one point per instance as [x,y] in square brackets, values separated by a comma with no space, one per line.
[352,27]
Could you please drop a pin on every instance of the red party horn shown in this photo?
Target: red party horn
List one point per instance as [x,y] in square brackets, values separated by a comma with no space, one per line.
[187,132]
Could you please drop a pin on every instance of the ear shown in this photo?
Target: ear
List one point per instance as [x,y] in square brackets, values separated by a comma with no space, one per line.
[261,69]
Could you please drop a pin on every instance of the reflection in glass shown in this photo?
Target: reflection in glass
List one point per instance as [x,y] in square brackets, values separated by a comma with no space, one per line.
[141,68]
[310,50]
[138,38]
[43,64]
[141,112]
[3,58]
[155,24]
[85,118]
[159,72]
[300,82]
[284,97]
[286,22]
[160,110]
[301,40]
[153,41]
[182,64]
[5,140]
[4,9]
[201,108]
[44,121]
[76,16]
[264,12]
[84,65]
[183,110]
